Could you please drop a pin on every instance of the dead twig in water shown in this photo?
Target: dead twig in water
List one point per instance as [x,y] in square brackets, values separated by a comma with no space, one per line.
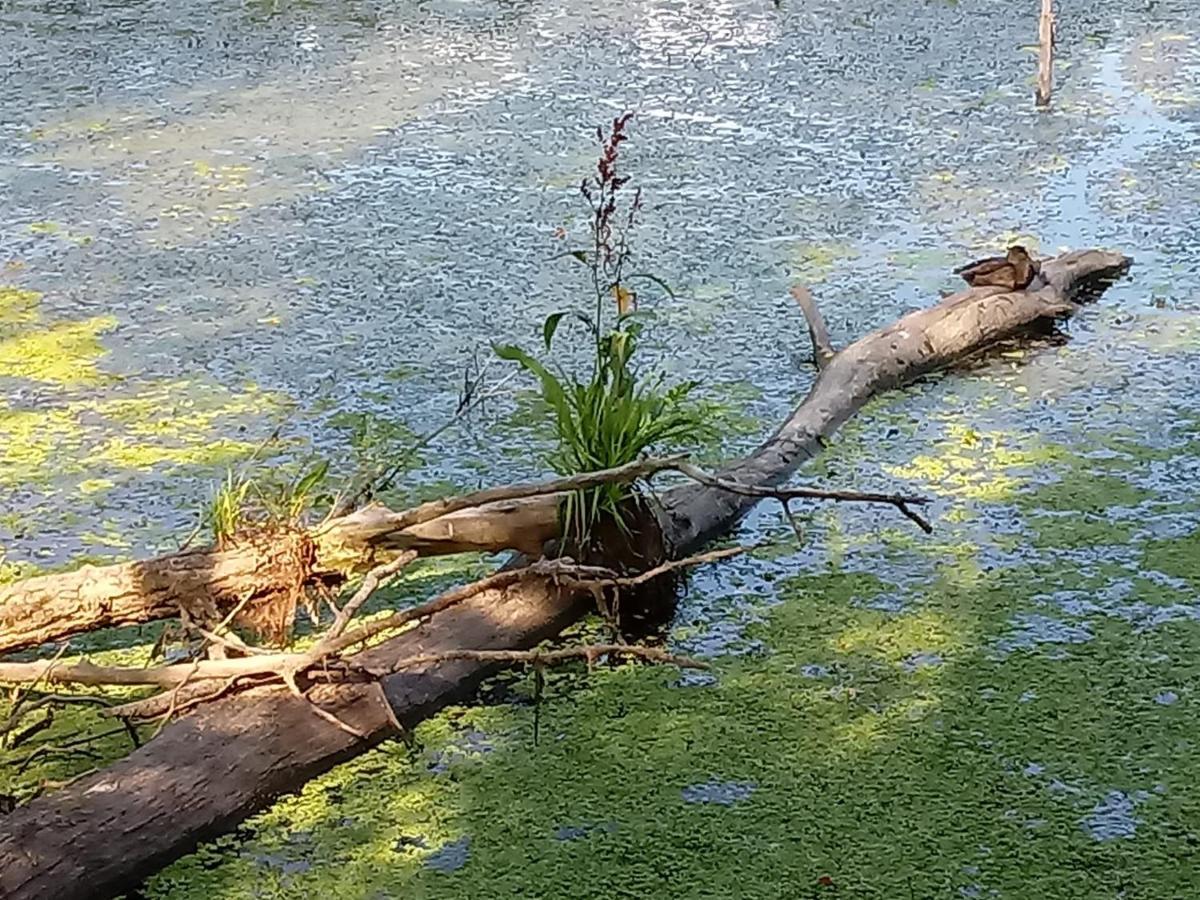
[902,502]
[822,346]
[1045,53]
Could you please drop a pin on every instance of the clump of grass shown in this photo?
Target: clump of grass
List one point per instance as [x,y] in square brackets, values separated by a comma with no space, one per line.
[245,501]
[614,414]
[226,509]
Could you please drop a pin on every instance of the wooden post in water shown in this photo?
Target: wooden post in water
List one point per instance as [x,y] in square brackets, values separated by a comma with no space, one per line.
[1045,53]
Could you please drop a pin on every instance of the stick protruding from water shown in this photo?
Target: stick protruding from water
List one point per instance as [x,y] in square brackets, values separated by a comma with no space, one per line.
[1045,53]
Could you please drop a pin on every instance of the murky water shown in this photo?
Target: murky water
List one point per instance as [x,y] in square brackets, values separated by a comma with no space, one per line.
[214,220]
[276,211]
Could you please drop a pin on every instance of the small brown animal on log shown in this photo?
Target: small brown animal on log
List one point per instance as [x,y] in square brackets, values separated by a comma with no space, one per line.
[1015,271]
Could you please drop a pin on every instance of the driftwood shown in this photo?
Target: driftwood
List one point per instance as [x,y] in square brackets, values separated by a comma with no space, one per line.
[918,343]
[206,772]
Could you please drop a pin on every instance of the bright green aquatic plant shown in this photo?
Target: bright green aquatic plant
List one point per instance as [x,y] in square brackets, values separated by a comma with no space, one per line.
[614,414]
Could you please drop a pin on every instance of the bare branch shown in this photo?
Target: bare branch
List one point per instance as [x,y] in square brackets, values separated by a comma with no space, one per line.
[159,704]
[592,574]
[902,502]
[1045,53]
[288,666]
[86,672]
[822,346]
[373,580]
[43,701]
[418,515]
[229,640]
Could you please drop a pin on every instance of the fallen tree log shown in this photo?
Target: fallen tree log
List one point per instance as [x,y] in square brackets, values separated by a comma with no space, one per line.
[208,582]
[918,343]
[161,801]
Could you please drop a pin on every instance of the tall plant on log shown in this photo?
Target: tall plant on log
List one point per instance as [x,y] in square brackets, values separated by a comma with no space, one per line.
[614,414]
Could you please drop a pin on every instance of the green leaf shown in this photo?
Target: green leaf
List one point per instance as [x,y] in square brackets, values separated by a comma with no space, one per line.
[580,255]
[552,388]
[646,276]
[550,326]
[312,478]
[636,316]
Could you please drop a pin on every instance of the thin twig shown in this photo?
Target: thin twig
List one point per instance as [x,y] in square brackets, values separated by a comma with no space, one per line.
[47,700]
[793,521]
[377,485]
[66,746]
[17,738]
[332,719]
[175,699]
[21,696]
[153,707]
[900,501]
[373,580]
[229,641]
[565,569]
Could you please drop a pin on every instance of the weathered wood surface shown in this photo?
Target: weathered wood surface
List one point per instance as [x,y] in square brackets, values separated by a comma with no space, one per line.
[918,343]
[52,607]
[208,771]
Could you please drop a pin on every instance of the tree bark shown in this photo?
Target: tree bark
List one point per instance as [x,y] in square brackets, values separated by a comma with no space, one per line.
[918,343]
[209,581]
[209,770]
[206,772]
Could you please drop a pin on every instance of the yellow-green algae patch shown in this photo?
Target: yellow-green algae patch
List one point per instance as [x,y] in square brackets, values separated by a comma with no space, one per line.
[971,464]
[61,353]
[167,424]
[17,306]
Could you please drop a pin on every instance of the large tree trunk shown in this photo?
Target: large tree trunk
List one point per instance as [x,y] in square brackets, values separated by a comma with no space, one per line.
[208,771]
